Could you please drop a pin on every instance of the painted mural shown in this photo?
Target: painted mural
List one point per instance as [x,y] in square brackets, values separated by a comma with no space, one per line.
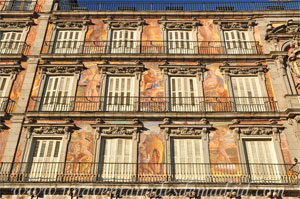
[3,139]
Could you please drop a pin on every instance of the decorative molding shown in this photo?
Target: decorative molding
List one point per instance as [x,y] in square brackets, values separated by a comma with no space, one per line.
[182,69]
[125,24]
[61,68]
[46,129]
[258,129]
[122,69]
[15,25]
[71,24]
[118,129]
[7,69]
[3,127]
[179,24]
[243,69]
[235,24]
[283,32]
[200,130]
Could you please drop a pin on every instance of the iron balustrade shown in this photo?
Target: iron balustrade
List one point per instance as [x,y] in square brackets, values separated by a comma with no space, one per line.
[13,48]
[149,172]
[17,5]
[152,47]
[7,105]
[201,6]
[153,104]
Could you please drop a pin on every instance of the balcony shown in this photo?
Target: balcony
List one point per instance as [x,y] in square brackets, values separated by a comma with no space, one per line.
[153,104]
[9,50]
[153,47]
[17,5]
[208,173]
[201,6]
[6,105]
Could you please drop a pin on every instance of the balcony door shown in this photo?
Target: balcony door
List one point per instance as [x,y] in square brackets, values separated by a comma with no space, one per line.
[187,160]
[68,41]
[57,94]
[3,91]
[124,41]
[116,160]
[10,43]
[120,94]
[184,94]
[262,162]
[179,42]
[247,95]
[237,42]
[44,162]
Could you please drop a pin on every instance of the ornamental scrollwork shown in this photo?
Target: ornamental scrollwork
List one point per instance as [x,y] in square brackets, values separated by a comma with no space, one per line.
[63,69]
[235,25]
[119,131]
[243,69]
[285,31]
[182,70]
[121,69]
[185,131]
[10,69]
[125,24]
[179,25]
[71,25]
[10,25]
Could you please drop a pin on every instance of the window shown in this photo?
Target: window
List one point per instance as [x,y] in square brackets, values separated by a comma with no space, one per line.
[187,159]
[184,94]
[44,161]
[58,93]
[21,5]
[120,93]
[237,42]
[68,41]
[247,94]
[124,41]
[180,42]
[116,160]
[262,163]
[4,81]
[10,42]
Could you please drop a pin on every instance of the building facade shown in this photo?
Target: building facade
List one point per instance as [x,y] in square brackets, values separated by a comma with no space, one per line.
[149,100]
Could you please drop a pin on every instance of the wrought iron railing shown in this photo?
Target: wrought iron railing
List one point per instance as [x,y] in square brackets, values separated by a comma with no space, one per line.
[154,104]
[13,48]
[199,6]
[152,47]
[17,5]
[7,105]
[149,172]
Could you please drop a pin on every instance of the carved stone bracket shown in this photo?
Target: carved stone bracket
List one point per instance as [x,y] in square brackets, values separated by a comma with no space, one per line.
[283,32]
[125,24]
[125,130]
[71,24]
[179,24]
[182,69]
[6,25]
[235,25]
[200,130]
[272,129]
[8,69]
[243,69]
[122,69]
[61,69]
[46,129]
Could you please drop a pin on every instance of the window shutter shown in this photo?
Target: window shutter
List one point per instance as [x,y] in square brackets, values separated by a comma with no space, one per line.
[10,42]
[3,85]
[236,42]
[120,93]
[179,42]
[124,41]
[67,41]
[184,93]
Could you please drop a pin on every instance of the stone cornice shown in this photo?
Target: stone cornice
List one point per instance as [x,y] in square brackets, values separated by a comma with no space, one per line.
[179,24]
[7,69]
[71,24]
[242,25]
[243,69]
[182,69]
[6,25]
[61,68]
[284,32]
[130,24]
[119,69]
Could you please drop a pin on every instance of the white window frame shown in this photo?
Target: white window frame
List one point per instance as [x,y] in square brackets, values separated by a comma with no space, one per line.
[187,131]
[116,131]
[9,45]
[123,26]
[237,42]
[62,71]
[33,131]
[113,71]
[68,41]
[260,132]
[179,27]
